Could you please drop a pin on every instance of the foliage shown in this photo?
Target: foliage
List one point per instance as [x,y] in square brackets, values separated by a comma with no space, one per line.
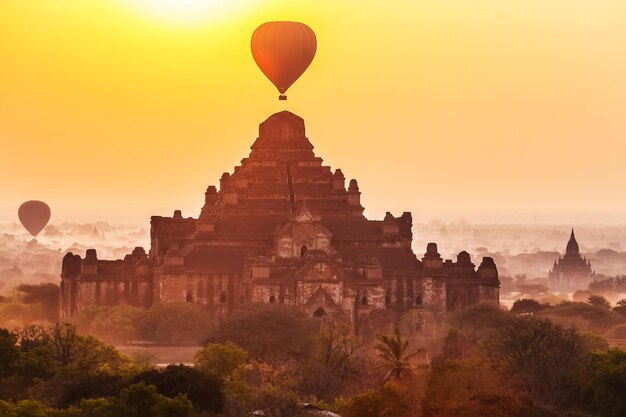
[9,353]
[174,323]
[492,362]
[584,316]
[30,304]
[598,301]
[620,307]
[14,314]
[602,378]
[454,382]
[387,401]
[261,386]
[220,360]
[527,306]
[45,294]
[163,323]
[203,390]
[335,361]
[392,350]
[469,329]
[480,320]
[112,324]
[540,356]
[278,401]
[58,364]
[269,332]
[138,400]
[493,405]
[141,400]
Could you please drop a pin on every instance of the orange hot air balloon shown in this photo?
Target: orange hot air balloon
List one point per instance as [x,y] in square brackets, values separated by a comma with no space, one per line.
[34,216]
[283,51]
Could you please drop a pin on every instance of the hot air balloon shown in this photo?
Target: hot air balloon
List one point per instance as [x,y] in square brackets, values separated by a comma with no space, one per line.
[34,216]
[283,51]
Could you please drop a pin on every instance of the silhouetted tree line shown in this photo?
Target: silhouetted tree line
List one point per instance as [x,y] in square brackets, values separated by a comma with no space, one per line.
[275,361]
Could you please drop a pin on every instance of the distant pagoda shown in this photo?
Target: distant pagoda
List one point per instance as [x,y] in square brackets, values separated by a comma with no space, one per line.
[571,271]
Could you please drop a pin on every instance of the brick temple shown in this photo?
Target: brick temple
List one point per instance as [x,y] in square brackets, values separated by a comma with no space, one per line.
[283,228]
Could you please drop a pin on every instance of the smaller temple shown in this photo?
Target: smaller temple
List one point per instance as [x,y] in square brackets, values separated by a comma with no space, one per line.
[571,271]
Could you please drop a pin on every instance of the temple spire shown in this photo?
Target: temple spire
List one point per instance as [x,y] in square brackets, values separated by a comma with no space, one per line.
[572,245]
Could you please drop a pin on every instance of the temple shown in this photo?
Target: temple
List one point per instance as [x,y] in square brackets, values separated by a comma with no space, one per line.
[284,228]
[571,271]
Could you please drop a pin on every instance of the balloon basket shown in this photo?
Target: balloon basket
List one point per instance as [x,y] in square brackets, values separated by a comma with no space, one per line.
[282,97]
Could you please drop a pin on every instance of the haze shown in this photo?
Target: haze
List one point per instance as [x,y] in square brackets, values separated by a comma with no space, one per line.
[506,110]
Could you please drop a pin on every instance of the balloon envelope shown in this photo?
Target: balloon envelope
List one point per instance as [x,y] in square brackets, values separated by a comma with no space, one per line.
[283,51]
[34,216]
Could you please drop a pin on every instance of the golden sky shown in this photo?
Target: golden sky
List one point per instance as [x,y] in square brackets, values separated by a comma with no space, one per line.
[119,107]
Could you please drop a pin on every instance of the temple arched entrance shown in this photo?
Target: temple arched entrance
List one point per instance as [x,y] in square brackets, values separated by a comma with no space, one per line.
[320,312]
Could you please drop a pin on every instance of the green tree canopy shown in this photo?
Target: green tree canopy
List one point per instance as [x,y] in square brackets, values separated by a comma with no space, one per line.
[203,390]
[268,331]
[220,359]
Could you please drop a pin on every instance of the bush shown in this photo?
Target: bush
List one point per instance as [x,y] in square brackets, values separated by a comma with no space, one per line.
[269,331]
[204,391]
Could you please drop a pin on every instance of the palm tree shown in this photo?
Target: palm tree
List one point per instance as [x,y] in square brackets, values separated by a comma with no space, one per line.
[393,352]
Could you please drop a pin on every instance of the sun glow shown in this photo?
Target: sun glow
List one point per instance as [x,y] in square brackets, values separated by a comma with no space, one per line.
[185,11]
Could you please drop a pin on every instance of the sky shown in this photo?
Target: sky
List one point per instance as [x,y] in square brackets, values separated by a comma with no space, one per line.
[483,109]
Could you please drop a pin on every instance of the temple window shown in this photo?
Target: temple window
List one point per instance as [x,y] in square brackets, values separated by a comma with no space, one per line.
[303,250]
[189,297]
[223,299]
[364,301]
[272,299]
[388,299]
[419,300]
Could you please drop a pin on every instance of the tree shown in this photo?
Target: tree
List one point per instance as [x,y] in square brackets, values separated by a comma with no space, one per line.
[269,332]
[9,353]
[598,301]
[541,356]
[470,328]
[527,306]
[175,323]
[585,316]
[203,390]
[387,401]
[455,382]
[45,294]
[392,350]
[111,324]
[220,359]
[334,363]
[277,401]
[27,408]
[602,378]
[141,400]
[620,307]
[64,341]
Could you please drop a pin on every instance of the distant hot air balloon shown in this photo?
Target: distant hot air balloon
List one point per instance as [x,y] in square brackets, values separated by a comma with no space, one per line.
[34,216]
[283,51]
